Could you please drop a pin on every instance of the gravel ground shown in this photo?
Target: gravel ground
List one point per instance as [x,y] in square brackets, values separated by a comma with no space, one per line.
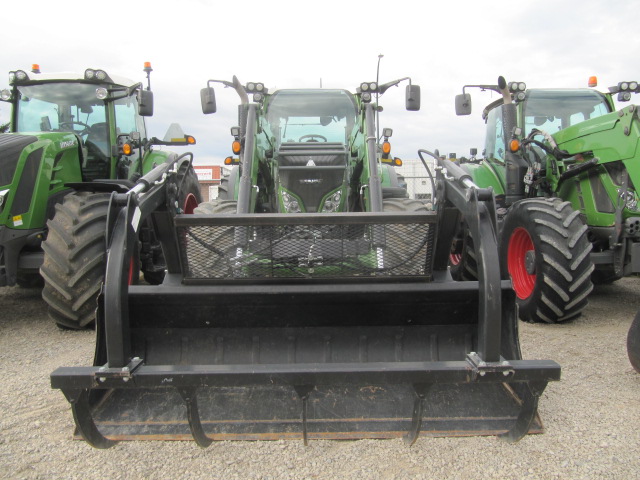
[591,416]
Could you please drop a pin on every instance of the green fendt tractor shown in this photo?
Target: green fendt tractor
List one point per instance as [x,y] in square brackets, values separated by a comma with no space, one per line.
[565,168]
[75,139]
[300,158]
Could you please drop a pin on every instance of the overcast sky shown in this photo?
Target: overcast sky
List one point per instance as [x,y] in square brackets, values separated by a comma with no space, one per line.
[293,44]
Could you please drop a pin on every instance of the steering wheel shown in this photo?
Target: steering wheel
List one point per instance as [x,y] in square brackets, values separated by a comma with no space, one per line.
[313,136]
[74,122]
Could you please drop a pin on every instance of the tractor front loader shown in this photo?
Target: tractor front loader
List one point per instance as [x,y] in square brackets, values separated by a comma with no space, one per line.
[334,317]
[75,139]
[564,166]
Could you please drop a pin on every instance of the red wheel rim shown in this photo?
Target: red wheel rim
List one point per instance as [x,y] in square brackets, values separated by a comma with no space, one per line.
[519,244]
[455,258]
[132,269]
[190,203]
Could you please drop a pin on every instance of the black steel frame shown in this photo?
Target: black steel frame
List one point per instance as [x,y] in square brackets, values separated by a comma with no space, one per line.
[153,197]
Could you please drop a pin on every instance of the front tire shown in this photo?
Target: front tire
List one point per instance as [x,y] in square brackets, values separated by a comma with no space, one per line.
[463,264]
[74,259]
[545,251]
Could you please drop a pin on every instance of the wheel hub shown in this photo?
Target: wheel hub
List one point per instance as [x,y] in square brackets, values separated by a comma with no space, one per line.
[521,263]
[530,262]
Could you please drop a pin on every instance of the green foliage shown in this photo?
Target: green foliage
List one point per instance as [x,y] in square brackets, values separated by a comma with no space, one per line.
[4,127]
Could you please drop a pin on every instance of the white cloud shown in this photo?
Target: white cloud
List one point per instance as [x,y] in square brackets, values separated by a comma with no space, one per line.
[291,44]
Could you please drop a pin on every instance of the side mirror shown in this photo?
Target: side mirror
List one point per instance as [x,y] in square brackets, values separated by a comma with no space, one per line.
[145,103]
[463,104]
[208,100]
[412,99]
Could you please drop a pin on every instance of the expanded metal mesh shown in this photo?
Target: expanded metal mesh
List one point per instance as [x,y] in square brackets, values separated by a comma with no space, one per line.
[306,251]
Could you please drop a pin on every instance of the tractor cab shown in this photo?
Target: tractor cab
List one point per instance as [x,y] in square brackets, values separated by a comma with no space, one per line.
[100,111]
[545,109]
[311,129]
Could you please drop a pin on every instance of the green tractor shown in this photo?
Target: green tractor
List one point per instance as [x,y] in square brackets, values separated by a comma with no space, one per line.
[75,139]
[565,168]
[309,153]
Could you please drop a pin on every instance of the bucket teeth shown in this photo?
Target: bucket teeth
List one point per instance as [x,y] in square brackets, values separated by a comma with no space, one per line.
[189,395]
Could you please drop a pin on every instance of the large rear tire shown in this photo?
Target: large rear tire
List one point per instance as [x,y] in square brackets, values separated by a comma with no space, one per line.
[633,343]
[545,250]
[74,259]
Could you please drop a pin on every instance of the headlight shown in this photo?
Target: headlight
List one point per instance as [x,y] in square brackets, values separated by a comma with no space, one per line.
[522,86]
[629,199]
[624,96]
[101,75]
[332,203]
[366,97]
[102,93]
[18,76]
[633,85]
[5,95]
[3,197]
[364,87]
[623,86]
[253,87]
[291,205]
[89,73]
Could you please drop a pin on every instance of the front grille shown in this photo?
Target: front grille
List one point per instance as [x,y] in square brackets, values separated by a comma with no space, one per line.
[11,146]
[306,246]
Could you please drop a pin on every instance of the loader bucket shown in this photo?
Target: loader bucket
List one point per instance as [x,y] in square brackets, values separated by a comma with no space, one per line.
[260,332]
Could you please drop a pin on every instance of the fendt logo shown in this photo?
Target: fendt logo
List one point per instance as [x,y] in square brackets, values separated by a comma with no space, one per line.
[68,143]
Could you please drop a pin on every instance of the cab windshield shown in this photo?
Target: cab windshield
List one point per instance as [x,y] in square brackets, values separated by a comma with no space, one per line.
[554,110]
[59,107]
[311,115]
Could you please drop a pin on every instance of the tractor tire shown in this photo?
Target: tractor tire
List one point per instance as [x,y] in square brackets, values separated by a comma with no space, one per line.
[74,259]
[190,197]
[633,343]
[402,238]
[213,250]
[463,264]
[223,188]
[545,250]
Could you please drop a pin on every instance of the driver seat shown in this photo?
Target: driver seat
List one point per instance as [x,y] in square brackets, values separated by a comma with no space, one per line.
[97,162]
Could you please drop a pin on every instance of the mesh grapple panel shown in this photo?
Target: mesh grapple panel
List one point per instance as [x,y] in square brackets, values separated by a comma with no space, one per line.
[306,246]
